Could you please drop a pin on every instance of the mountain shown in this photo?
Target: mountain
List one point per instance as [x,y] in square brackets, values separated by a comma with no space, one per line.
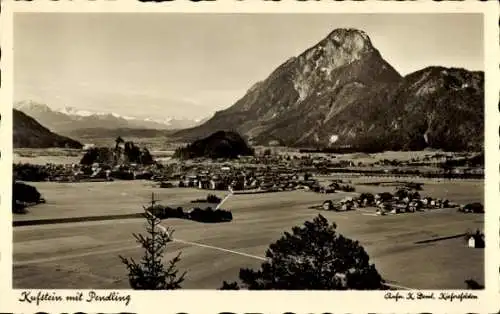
[96,133]
[220,144]
[69,119]
[28,133]
[342,92]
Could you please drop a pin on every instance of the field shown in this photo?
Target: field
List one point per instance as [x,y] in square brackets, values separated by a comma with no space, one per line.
[160,149]
[85,255]
[42,156]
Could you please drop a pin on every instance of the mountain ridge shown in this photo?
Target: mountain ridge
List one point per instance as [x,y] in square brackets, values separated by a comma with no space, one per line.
[28,133]
[342,89]
[68,119]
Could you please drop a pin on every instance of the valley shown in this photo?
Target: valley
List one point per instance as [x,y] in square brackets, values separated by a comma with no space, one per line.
[353,174]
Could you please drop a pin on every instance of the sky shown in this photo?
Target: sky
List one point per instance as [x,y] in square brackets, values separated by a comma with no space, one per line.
[190,65]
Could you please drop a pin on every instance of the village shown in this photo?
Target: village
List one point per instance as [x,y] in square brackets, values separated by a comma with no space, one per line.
[266,172]
[110,183]
[396,191]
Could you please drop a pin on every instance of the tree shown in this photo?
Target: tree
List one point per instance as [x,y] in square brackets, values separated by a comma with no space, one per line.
[313,257]
[473,285]
[150,273]
[119,140]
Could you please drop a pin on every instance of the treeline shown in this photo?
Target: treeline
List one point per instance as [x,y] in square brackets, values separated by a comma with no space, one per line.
[30,172]
[413,173]
[130,153]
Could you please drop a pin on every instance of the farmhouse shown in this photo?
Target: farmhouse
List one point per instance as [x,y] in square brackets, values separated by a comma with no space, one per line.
[476,240]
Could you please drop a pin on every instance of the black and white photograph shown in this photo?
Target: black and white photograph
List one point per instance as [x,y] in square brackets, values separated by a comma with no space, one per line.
[248,151]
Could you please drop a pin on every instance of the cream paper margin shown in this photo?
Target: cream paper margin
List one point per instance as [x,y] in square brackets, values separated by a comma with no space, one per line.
[212,301]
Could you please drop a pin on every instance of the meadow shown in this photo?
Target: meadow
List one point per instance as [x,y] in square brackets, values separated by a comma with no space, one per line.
[85,255]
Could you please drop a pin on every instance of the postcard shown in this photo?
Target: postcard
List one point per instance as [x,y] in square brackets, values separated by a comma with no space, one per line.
[249,157]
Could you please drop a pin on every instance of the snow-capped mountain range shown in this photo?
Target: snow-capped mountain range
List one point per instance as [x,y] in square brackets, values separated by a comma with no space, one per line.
[69,118]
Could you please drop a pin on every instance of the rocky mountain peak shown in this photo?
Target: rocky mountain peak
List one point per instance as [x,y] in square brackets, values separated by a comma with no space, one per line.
[351,38]
[342,46]
[342,88]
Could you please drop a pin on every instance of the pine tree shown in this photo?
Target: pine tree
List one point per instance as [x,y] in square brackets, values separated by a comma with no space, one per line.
[151,273]
[312,257]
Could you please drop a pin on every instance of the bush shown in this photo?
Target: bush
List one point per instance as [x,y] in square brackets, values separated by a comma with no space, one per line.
[146,175]
[29,172]
[24,195]
[166,185]
[402,193]
[122,175]
[477,208]
[18,207]
[414,186]
[211,198]
[164,212]
[370,198]
[384,196]
[473,285]
[229,286]
[346,188]
[313,257]
[210,215]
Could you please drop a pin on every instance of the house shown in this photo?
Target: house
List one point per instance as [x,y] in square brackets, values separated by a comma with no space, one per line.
[237,185]
[218,185]
[88,146]
[204,184]
[476,240]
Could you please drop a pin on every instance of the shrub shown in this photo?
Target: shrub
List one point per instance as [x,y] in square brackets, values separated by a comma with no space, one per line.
[370,198]
[18,208]
[210,215]
[164,212]
[473,285]
[477,208]
[122,175]
[313,257]
[146,175]
[29,172]
[211,198]
[166,185]
[402,193]
[229,286]
[384,196]
[25,193]
[346,188]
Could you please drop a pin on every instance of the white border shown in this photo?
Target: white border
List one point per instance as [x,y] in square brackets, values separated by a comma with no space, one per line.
[199,301]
